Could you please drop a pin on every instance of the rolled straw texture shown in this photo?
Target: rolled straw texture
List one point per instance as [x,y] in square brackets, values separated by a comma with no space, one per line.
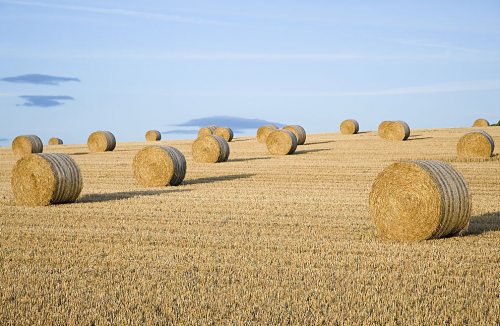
[476,144]
[419,200]
[27,144]
[101,141]
[210,149]
[264,131]
[299,132]
[153,135]
[43,179]
[281,142]
[155,166]
[349,127]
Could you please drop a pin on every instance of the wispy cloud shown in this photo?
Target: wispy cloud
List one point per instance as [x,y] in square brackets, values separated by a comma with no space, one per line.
[44,100]
[454,87]
[181,132]
[39,79]
[119,12]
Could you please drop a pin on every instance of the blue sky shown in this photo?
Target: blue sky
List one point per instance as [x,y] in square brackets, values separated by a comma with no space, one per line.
[129,66]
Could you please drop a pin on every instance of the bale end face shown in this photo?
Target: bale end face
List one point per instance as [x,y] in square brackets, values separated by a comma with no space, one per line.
[349,127]
[27,144]
[419,200]
[481,123]
[153,135]
[155,166]
[55,141]
[299,132]
[281,142]
[101,141]
[210,149]
[264,131]
[43,179]
[476,144]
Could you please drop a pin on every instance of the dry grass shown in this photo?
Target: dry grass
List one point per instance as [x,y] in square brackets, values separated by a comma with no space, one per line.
[259,239]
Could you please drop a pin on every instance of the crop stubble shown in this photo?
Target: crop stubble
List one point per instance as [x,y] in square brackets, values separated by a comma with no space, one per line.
[259,238]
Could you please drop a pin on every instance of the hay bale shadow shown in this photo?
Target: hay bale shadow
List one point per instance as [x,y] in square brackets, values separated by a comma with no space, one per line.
[488,222]
[305,151]
[249,159]
[218,178]
[96,198]
[319,142]
[417,138]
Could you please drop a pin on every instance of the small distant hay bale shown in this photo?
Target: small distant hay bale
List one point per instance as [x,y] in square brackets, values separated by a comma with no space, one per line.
[206,131]
[481,123]
[264,131]
[299,132]
[419,200]
[44,179]
[224,132]
[101,141]
[27,144]
[55,141]
[349,127]
[153,135]
[476,144]
[156,166]
[281,142]
[394,130]
[210,149]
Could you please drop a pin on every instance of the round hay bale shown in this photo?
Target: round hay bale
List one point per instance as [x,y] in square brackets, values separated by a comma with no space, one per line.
[55,141]
[476,144]
[210,149]
[281,142]
[481,123]
[156,166]
[264,131]
[27,144]
[153,135]
[419,200]
[43,179]
[206,131]
[224,132]
[394,130]
[349,127]
[299,132]
[101,141]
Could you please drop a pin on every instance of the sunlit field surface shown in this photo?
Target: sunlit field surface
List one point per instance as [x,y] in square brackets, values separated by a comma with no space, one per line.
[259,239]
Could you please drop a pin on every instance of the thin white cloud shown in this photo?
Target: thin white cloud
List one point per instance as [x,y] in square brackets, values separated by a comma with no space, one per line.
[119,12]
[455,87]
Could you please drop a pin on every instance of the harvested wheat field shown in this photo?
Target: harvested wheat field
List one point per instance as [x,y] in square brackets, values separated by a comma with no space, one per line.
[260,239]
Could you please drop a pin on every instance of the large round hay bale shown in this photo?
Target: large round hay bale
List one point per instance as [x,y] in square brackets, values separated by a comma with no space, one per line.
[210,149]
[101,141]
[476,144]
[481,123]
[206,131]
[299,132]
[43,179]
[55,141]
[153,135]
[394,130]
[264,131]
[224,132]
[156,166]
[27,144]
[349,127]
[419,200]
[281,142]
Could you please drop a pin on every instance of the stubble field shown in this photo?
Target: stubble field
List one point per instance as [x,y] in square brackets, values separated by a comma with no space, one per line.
[258,239]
